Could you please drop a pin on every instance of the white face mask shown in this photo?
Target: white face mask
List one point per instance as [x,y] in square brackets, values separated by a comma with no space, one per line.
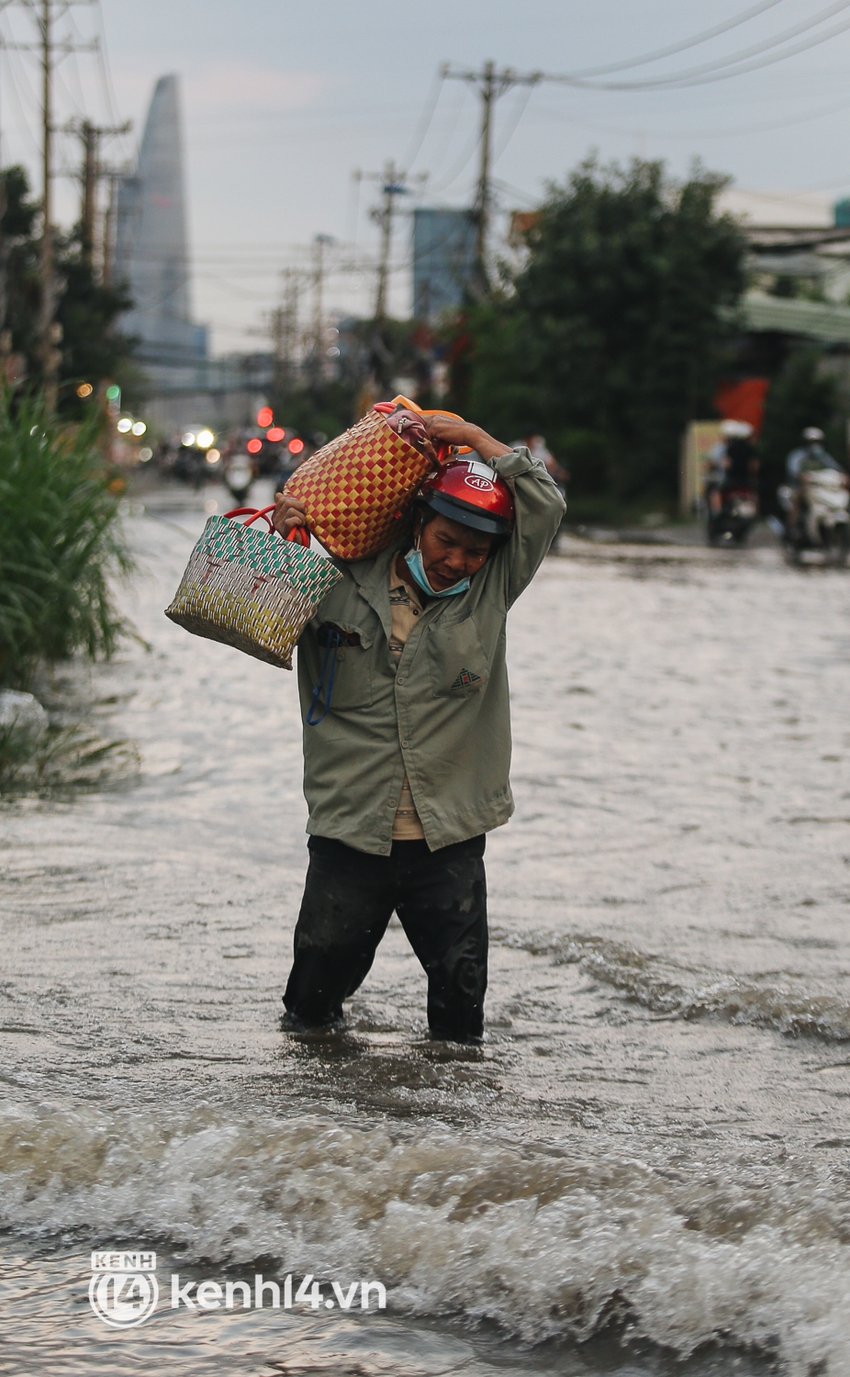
[413,560]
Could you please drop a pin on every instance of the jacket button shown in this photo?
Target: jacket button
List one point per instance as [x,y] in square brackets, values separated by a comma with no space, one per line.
[405,744]
[400,681]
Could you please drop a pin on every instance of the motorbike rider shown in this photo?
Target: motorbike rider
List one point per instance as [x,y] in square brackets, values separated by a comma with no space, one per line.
[406,767]
[809,457]
[733,463]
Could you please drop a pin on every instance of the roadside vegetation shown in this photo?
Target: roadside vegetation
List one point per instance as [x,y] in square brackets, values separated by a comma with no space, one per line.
[92,347]
[615,330]
[61,547]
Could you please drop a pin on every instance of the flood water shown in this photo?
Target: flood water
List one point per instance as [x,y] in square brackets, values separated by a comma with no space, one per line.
[644,1169]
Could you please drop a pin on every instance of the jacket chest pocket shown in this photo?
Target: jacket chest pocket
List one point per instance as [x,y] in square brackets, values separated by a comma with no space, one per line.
[352,668]
[459,665]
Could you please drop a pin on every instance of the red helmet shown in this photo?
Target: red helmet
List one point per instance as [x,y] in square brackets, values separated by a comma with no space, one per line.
[473,494]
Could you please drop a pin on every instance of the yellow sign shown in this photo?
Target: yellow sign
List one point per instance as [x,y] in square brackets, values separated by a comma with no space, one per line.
[699,439]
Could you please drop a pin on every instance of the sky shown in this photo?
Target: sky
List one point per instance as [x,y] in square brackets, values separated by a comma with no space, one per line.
[283,102]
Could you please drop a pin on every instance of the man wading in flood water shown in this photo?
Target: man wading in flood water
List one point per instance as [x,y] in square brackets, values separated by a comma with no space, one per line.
[408,768]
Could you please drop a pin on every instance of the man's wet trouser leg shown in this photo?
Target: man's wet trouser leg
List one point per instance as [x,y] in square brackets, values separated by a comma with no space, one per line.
[441,900]
[347,904]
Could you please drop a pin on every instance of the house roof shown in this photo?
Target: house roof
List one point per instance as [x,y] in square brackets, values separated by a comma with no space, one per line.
[817,320]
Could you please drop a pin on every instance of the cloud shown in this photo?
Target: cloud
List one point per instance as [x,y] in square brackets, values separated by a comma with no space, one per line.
[242,87]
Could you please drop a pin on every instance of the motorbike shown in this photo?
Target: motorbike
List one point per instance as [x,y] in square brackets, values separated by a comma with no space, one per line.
[822,522]
[238,476]
[737,515]
[189,466]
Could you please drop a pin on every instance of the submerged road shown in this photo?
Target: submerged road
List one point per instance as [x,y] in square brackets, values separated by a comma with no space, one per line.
[660,1111]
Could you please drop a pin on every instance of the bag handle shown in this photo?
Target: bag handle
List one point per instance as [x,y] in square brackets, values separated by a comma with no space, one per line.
[443,450]
[300,534]
[254,514]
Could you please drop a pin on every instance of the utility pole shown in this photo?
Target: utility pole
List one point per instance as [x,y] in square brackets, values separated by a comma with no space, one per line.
[91,175]
[288,329]
[393,185]
[320,243]
[107,271]
[482,195]
[47,328]
[491,84]
[283,329]
[49,331]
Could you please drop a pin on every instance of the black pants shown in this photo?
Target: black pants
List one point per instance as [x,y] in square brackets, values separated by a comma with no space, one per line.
[349,898]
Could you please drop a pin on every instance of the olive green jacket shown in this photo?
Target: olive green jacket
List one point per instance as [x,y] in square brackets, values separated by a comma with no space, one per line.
[442,712]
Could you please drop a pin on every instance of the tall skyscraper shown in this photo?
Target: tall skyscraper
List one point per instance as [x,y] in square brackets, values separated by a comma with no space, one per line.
[151,249]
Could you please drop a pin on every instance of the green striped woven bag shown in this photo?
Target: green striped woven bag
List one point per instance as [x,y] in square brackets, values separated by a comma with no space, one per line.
[250,589]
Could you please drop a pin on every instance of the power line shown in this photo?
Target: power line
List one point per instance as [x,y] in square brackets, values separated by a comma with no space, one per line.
[449,134]
[459,166]
[110,102]
[425,119]
[722,68]
[45,13]
[674,48]
[734,132]
[490,84]
[519,111]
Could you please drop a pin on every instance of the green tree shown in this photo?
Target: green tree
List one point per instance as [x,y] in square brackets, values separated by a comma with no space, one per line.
[613,335]
[91,347]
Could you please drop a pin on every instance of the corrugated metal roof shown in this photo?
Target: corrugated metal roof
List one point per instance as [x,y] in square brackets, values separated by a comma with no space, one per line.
[811,319]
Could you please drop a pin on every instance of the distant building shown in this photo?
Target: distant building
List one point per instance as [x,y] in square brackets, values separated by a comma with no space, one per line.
[444,260]
[151,249]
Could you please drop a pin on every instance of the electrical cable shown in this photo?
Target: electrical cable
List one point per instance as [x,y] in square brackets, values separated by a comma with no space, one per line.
[63,88]
[716,70]
[421,131]
[735,132]
[30,137]
[458,167]
[79,100]
[693,42]
[451,128]
[531,201]
[110,101]
[519,111]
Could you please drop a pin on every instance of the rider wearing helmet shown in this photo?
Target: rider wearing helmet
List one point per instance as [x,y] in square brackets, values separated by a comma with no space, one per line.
[732,463]
[407,767]
[809,457]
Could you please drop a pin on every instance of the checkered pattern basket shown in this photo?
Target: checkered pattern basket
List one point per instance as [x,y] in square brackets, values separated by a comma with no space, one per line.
[251,590]
[357,489]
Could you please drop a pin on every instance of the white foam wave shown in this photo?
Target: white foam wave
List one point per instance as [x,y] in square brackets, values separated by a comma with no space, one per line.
[451,1223]
[669,988]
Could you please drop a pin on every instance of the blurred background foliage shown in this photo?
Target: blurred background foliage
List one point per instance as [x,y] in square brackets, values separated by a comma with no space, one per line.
[60,541]
[614,332]
[87,309]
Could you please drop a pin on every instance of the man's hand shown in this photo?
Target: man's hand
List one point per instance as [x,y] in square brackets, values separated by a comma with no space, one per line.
[448,430]
[288,513]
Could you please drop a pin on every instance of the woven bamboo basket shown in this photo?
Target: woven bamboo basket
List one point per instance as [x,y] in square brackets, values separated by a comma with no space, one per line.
[251,590]
[357,489]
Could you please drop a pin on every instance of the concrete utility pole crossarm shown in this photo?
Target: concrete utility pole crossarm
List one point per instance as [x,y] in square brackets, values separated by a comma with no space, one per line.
[393,184]
[491,84]
[92,173]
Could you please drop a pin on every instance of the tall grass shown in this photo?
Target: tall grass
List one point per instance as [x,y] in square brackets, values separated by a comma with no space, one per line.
[60,541]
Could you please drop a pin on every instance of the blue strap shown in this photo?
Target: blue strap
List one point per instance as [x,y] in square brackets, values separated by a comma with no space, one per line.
[333,644]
